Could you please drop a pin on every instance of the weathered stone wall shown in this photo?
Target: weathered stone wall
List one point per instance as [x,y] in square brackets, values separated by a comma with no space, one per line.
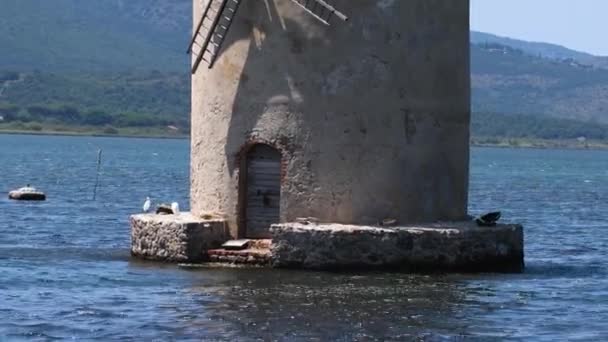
[371,115]
[246,257]
[175,238]
[450,247]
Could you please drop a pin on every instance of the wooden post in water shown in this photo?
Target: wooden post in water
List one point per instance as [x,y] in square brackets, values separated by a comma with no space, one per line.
[97,175]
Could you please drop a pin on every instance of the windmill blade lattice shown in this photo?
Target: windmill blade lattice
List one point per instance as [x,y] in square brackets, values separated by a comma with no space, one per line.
[218,15]
[212,30]
[320,10]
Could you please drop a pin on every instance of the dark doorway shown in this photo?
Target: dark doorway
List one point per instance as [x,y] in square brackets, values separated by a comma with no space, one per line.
[263,190]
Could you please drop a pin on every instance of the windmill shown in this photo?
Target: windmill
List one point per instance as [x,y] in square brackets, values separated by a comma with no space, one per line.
[217,18]
[358,122]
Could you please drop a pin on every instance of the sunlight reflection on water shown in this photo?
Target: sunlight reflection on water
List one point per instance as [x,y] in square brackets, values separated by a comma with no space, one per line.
[66,270]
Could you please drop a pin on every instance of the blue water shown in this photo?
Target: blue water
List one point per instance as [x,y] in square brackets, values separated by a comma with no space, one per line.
[66,273]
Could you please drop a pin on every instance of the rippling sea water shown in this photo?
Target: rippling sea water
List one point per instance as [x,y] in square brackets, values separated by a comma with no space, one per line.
[65,270]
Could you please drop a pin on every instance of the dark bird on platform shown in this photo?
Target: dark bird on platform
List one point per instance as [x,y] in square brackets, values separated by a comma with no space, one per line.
[488,220]
[164,209]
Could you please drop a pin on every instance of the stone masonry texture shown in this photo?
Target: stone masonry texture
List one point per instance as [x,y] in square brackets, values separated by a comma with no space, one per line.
[371,116]
[175,238]
[439,247]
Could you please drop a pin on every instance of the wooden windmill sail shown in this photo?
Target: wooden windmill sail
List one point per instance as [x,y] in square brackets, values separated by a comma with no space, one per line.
[217,17]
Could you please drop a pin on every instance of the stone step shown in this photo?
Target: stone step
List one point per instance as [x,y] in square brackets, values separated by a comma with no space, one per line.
[258,253]
[242,244]
[260,243]
[236,244]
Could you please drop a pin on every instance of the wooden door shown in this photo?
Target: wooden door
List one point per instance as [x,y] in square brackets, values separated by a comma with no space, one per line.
[263,193]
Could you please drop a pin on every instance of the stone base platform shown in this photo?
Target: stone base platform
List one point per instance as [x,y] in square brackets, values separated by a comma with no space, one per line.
[258,254]
[175,238]
[461,246]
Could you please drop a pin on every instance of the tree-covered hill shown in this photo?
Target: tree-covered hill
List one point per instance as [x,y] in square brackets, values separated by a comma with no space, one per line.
[540,49]
[485,125]
[507,80]
[153,92]
[122,63]
[134,99]
[100,35]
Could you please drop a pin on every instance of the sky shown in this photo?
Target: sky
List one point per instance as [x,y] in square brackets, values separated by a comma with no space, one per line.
[577,24]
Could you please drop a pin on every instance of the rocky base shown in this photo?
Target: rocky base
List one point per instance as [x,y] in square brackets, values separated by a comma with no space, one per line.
[175,238]
[460,246]
[254,257]
[258,254]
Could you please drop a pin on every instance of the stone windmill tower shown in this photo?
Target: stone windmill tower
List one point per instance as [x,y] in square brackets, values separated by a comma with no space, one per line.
[350,111]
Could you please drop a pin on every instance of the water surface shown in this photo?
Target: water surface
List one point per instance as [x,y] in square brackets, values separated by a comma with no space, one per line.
[65,270]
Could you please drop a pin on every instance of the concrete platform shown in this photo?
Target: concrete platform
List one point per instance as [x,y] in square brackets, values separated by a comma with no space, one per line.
[175,238]
[460,246]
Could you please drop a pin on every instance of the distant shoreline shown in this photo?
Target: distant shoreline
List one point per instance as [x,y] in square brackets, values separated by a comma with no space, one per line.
[564,144]
[544,147]
[475,142]
[93,134]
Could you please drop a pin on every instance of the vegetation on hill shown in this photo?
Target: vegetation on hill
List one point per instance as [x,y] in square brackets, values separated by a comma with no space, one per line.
[535,126]
[507,80]
[138,99]
[119,66]
[540,49]
[7,76]
[76,35]
[103,66]
[160,94]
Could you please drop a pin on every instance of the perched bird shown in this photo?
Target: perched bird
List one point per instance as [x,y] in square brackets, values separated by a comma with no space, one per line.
[164,209]
[489,219]
[175,208]
[147,205]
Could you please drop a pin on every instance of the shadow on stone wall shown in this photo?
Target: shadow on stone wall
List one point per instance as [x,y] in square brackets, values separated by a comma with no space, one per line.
[273,88]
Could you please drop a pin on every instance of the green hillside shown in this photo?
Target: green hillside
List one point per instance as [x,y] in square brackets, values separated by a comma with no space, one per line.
[506,80]
[77,35]
[116,65]
[535,127]
[546,50]
[161,94]
[136,99]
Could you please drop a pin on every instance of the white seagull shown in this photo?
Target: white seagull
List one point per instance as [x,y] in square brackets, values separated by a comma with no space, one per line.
[147,204]
[175,208]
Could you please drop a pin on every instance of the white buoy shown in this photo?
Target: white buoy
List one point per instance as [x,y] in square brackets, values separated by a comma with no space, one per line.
[175,208]
[147,205]
[27,193]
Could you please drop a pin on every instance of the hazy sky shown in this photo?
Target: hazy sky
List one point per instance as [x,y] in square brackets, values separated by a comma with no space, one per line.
[578,24]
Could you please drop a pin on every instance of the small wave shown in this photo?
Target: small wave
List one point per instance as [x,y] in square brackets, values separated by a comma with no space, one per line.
[69,253]
[563,270]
